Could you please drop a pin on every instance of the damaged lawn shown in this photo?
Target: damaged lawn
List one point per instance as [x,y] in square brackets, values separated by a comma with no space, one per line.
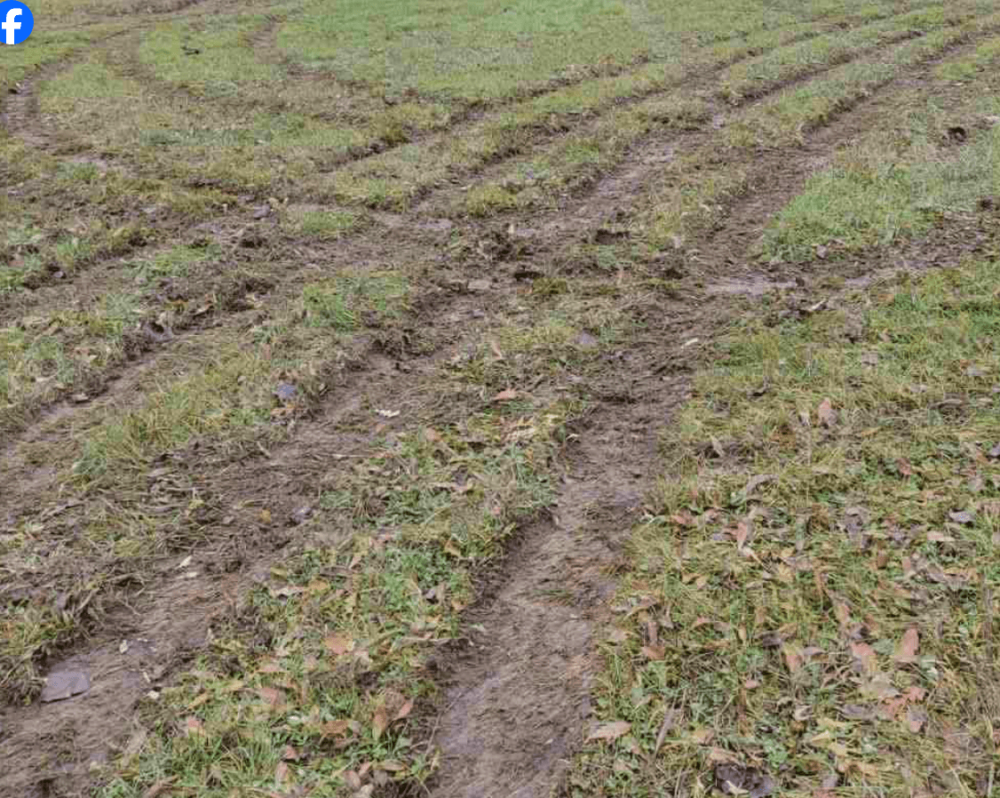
[311,689]
[811,609]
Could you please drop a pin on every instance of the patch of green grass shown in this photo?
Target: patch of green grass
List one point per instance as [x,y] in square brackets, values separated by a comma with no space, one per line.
[470,52]
[347,302]
[44,355]
[224,63]
[816,604]
[576,158]
[327,225]
[46,47]
[894,184]
[788,116]
[177,261]
[228,65]
[965,69]
[751,76]
[228,394]
[187,138]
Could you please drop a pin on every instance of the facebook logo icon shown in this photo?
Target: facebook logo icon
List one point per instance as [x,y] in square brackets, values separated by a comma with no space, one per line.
[16,21]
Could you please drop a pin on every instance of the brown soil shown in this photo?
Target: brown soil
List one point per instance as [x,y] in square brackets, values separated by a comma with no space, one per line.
[515,705]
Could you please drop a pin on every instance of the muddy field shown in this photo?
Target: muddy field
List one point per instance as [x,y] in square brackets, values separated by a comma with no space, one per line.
[444,399]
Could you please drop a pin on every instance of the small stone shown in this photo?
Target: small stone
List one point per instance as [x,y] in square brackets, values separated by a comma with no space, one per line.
[586,341]
[478,286]
[61,685]
[285,392]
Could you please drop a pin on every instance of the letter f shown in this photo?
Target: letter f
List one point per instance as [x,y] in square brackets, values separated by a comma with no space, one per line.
[9,25]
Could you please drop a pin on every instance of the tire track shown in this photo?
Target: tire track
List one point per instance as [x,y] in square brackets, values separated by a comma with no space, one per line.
[534,655]
[622,185]
[592,510]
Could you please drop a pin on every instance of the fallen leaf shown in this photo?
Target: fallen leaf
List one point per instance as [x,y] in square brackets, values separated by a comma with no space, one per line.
[335,728]
[741,535]
[793,657]
[654,652]
[702,736]
[617,636]
[904,467]
[827,415]
[338,644]
[199,700]
[916,694]
[280,773]
[290,754]
[353,779]
[193,726]
[610,731]
[380,722]
[404,710]
[159,787]
[866,657]
[506,396]
[916,717]
[906,651]
[271,696]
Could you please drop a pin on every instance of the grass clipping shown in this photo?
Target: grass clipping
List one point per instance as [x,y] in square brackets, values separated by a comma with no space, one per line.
[811,608]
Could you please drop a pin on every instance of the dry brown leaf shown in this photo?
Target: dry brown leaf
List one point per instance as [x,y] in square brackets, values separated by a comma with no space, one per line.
[334,728]
[741,535]
[199,700]
[193,726]
[906,651]
[916,717]
[380,722]
[827,415]
[159,787]
[270,696]
[290,754]
[793,657]
[506,396]
[654,652]
[904,467]
[866,656]
[610,731]
[702,736]
[404,710]
[338,644]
